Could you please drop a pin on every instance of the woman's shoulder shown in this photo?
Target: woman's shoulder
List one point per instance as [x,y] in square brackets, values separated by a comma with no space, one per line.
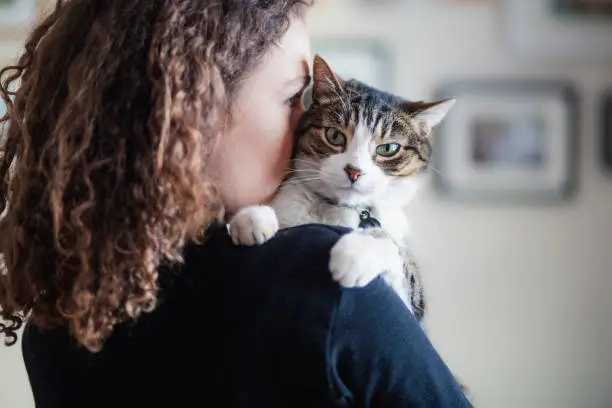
[317,234]
[317,237]
[303,248]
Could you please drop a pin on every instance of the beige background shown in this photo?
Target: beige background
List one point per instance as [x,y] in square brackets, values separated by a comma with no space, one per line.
[520,296]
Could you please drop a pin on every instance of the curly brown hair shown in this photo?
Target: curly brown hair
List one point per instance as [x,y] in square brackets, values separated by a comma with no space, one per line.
[103,167]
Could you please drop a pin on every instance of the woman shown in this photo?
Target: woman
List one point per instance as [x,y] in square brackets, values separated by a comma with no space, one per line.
[137,124]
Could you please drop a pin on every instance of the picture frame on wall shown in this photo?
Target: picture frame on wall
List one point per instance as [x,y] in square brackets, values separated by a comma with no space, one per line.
[606,129]
[590,8]
[507,141]
[558,29]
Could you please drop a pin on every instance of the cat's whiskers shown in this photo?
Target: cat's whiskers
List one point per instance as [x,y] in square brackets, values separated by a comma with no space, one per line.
[319,173]
[315,172]
[302,171]
[305,178]
[308,162]
[291,172]
[304,160]
[298,174]
[434,169]
[297,179]
[302,180]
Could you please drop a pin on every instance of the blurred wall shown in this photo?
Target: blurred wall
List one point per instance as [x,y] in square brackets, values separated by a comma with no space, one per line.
[519,296]
[520,303]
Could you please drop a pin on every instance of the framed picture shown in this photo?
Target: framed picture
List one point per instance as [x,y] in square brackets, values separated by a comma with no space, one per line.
[558,29]
[16,16]
[593,8]
[509,141]
[606,129]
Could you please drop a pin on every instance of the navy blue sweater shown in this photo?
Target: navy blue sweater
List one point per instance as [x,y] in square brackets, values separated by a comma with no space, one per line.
[251,327]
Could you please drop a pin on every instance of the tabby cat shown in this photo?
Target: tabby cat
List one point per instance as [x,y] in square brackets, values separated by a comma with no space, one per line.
[360,154]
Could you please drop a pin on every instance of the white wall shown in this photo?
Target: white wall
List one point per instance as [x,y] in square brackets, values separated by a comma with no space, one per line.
[519,297]
[520,303]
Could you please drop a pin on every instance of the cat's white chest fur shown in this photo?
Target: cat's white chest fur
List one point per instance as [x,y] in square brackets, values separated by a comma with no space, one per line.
[393,220]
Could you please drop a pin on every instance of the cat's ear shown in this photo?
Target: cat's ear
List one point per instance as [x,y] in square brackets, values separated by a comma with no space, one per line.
[429,115]
[325,84]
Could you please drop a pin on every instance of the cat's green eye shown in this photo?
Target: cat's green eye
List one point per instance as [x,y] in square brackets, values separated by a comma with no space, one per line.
[388,149]
[335,137]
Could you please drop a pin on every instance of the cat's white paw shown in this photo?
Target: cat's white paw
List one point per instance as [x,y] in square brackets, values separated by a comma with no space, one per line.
[358,258]
[253,225]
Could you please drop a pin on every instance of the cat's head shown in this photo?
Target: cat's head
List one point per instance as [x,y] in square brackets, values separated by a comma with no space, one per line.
[356,143]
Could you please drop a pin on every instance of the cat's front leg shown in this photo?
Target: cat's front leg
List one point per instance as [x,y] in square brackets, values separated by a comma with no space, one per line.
[360,256]
[253,225]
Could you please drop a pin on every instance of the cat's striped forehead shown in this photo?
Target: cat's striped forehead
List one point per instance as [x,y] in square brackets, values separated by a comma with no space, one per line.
[369,110]
[361,105]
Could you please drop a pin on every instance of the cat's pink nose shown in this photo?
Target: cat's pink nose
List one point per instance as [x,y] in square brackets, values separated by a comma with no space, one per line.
[353,173]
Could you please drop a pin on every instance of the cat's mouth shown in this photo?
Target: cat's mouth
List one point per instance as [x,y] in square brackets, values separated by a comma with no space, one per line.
[356,188]
[346,189]
[352,194]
